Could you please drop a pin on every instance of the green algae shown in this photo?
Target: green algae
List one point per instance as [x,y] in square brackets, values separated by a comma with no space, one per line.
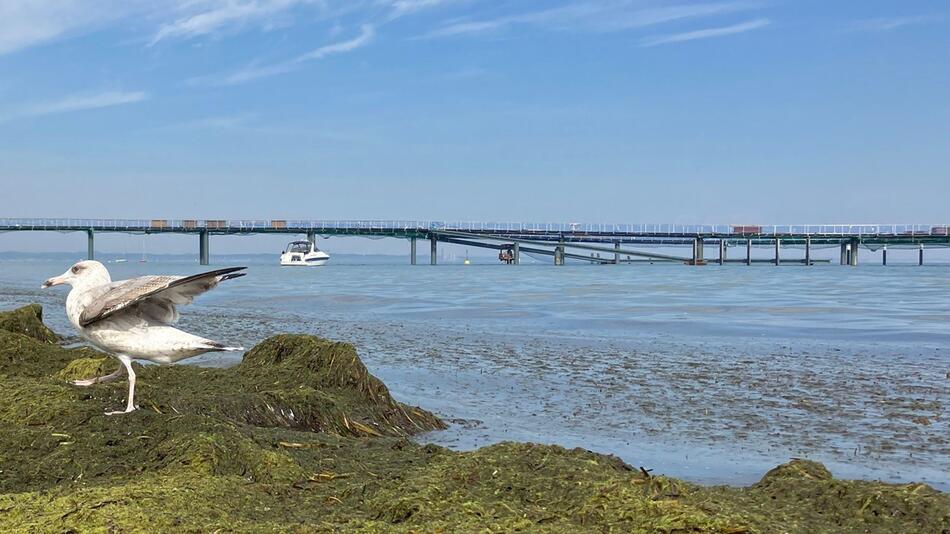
[300,437]
[28,321]
[83,368]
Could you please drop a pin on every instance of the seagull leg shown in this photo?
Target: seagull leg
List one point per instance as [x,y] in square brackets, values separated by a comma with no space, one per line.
[99,379]
[130,405]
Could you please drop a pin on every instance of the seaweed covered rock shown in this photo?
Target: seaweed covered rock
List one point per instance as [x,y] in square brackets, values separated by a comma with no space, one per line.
[294,381]
[310,365]
[27,321]
[805,492]
[27,346]
[513,487]
[82,368]
[794,471]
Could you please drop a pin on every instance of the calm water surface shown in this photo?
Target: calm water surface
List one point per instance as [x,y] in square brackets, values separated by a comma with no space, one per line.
[713,374]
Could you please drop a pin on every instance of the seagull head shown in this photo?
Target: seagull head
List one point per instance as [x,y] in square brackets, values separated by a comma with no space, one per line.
[84,274]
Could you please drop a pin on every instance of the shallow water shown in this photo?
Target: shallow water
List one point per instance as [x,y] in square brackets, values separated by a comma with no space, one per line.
[714,374]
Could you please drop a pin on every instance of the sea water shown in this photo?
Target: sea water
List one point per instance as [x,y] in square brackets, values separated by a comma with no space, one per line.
[714,374]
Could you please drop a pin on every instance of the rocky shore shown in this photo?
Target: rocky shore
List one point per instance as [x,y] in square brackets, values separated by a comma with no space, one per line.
[300,437]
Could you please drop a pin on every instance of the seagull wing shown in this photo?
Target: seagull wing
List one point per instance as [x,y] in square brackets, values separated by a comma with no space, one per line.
[154,296]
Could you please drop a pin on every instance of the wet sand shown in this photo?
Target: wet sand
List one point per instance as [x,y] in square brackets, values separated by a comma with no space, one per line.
[718,416]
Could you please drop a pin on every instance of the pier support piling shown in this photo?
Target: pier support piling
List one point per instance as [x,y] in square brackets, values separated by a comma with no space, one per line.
[90,244]
[778,245]
[920,255]
[748,252]
[844,253]
[312,237]
[516,254]
[559,254]
[203,241]
[884,255]
[807,251]
[617,253]
[722,251]
[853,261]
[433,249]
[412,251]
[698,253]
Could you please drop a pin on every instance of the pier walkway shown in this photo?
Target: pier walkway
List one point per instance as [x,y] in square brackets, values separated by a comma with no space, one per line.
[561,241]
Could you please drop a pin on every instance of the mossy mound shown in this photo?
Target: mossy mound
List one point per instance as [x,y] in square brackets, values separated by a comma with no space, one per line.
[300,437]
[293,381]
[82,368]
[512,487]
[802,496]
[27,321]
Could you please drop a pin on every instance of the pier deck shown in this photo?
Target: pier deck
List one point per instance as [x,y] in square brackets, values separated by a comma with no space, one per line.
[614,240]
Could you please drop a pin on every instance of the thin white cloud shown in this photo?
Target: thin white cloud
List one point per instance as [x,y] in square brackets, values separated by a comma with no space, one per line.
[892,23]
[364,38]
[254,72]
[470,27]
[705,33]
[404,7]
[79,103]
[217,15]
[28,23]
[25,23]
[597,16]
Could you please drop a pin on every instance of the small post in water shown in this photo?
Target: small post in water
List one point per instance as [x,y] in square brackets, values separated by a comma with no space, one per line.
[778,244]
[920,255]
[807,250]
[559,254]
[722,251]
[412,251]
[433,249]
[748,252]
[884,255]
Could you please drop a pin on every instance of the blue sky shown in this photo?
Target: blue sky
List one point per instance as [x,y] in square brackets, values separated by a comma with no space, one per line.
[765,111]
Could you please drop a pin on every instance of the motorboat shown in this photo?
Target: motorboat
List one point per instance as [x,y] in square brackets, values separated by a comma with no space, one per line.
[303,253]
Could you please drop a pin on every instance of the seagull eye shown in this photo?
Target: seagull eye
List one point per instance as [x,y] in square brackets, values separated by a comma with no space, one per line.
[75,269]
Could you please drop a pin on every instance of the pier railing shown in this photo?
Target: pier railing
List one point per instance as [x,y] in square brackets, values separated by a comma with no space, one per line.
[365,226]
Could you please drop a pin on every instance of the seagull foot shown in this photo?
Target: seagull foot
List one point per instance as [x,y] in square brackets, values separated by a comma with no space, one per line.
[120,412]
[98,379]
[85,383]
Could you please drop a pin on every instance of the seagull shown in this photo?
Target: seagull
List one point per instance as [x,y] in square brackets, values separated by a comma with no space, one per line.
[132,319]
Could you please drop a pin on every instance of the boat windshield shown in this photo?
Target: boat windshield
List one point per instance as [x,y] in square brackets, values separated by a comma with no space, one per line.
[302,247]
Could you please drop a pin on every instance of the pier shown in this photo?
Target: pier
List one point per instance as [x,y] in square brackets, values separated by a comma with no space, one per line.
[618,243]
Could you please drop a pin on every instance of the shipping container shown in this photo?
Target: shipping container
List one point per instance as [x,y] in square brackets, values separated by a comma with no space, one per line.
[745,229]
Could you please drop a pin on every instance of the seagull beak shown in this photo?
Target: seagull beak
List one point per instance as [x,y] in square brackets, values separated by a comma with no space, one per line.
[55,281]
